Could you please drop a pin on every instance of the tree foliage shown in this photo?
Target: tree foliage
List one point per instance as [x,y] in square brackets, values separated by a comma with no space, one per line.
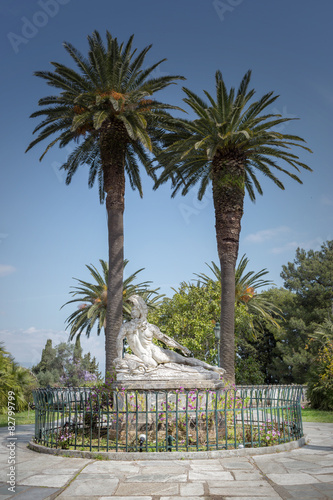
[93,299]
[15,378]
[247,284]
[109,88]
[64,365]
[190,315]
[310,277]
[293,346]
[301,349]
[320,385]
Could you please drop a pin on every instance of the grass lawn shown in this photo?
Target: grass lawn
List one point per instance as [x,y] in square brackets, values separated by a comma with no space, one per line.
[25,417]
[309,415]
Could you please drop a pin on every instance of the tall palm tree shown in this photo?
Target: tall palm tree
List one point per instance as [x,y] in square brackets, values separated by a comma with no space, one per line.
[228,142]
[93,300]
[247,284]
[106,107]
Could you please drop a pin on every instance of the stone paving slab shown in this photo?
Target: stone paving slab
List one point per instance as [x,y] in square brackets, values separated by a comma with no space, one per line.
[115,468]
[29,493]
[162,489]
[192,490]
[242,475]
[177,498]
[252,498]
[326,478]
[114,497]
[160,477]
[237,463]
[207,465]
[305,492]
[291,478]
[241,488]
[90,486]
[53,481]
[207,475]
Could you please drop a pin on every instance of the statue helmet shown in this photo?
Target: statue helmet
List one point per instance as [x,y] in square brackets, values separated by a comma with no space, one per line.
[140,304]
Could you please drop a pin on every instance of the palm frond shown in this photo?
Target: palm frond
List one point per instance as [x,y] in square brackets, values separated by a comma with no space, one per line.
[92,299]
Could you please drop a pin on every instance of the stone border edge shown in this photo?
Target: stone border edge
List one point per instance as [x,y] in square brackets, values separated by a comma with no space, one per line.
[175,455]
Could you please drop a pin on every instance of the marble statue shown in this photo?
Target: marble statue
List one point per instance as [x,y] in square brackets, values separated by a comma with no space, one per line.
[148,357]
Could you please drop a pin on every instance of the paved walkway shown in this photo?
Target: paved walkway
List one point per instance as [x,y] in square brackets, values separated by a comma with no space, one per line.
[305,473]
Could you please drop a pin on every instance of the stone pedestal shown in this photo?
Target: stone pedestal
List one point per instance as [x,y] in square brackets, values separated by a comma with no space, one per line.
[170,376]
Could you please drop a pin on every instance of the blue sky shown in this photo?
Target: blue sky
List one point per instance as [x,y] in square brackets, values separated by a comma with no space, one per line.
[50,231]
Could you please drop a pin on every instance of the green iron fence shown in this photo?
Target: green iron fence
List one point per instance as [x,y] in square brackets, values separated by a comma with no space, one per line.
[96,419]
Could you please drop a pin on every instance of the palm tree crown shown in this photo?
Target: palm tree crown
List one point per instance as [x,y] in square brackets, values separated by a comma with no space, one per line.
[247,284]
[230,139]
[109,92]
[93,300]
[226,145]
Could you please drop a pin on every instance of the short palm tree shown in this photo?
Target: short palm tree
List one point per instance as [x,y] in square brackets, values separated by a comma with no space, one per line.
[228,143]
[247,284]
[93,300]
[106,108]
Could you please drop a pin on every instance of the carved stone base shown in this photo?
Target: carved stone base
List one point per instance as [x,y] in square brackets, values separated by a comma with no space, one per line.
[168,385]
[170,376]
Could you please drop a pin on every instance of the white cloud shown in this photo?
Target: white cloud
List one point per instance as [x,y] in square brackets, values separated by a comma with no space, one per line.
[325,91]
[32,329]
[267,234]
[314,244]
[326,200]
[287,247]
[5,270]
[26,344]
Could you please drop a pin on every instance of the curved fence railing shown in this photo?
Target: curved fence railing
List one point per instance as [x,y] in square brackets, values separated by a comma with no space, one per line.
[95,419]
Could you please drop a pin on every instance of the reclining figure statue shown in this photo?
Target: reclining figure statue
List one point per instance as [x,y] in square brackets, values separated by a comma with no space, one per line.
[148,356]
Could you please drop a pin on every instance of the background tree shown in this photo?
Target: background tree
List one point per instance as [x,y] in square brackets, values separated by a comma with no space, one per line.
[190,315]
[228,143]
[283,354]
[107,109]
[320,383]
[247,284]
[310,277]
[93,300]
[293,352]
[64,365]
[14,377]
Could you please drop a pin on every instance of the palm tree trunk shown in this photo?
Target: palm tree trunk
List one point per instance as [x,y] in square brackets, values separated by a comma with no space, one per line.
[114,310]
[228,196]
[112,144]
